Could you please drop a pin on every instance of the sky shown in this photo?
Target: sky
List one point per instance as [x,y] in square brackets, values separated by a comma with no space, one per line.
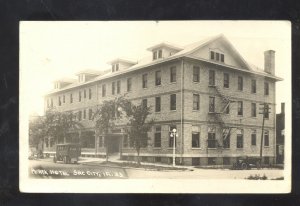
[52,50]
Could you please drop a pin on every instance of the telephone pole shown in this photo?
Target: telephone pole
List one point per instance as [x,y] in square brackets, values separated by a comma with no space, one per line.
[265,113]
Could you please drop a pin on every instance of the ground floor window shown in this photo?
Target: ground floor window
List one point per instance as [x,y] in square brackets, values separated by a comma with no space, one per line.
[196,140]
[211,161]
[171,136]
[157,137]
[88,140]
[195,161]
[100,141]
[157,159]
[266,139]
[253,138]
[239,139]
[211,139]
[266,160]
[226,141]
[226,160]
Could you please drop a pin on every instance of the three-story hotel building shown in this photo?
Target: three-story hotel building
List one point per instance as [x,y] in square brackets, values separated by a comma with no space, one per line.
[206,90]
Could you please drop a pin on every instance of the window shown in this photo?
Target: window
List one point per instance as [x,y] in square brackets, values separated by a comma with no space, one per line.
[64,99]
[173,74]
[90,93]
[157,137]
[117,67]
[84,114]
[71,98]
[217,56]
[226,161]
[227,109]
[266,88]
[253,138]
[211,138]
[158,78]
[171,139]
[211,80]
[157,104]
[266,139]
[222,57]
[195,140]
[212,55]
[100,141]
[90,114]
[240,108]
[103,90]
[266,111]
[226,141]
[59,102]
[226,80]
[113,88]
[253,109]
[196,74]
[154,55]
[144,103]
[211,104]
[211,161]
[240,83]
[160,53]
[118,87]
[84,94]
[129,84]
[253,86]
[173,102]
[196,102]
[145,76]
[79,96]
[79,115]
[239,139]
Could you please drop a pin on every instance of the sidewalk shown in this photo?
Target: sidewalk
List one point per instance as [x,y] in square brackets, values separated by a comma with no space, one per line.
[95,161]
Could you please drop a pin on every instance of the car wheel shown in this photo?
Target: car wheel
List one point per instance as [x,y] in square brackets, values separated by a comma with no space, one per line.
[244,166]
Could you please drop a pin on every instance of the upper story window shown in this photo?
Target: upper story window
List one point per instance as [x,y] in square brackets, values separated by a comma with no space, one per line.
[144,103]
[240,83]
[196,74]
[266,139]
[217,56]
[240,108]
[173,74]
[129,84]
[157,104]
[266,88]
[59,101]
[173,102]
[90,93]
[226,80]
[103,90]
[79,96]
[211,78]
[84,93]
[253,109]
[196,102]
[211,104]
[145,80]
[118,87]
[113,88]
[71,98]
[158,78]
[253,86]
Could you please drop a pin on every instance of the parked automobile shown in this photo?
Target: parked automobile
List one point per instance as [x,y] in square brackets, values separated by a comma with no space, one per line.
[245,162]
[68,153]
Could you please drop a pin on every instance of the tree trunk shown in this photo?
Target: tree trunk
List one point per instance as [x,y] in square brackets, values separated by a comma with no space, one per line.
[138,156]
[106,147]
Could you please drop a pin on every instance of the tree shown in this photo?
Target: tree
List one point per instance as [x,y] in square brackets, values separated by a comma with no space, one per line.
[105,117]
[138,126]
[36,133]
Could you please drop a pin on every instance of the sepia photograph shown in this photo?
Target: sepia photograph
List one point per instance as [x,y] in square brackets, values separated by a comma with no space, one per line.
[155,106]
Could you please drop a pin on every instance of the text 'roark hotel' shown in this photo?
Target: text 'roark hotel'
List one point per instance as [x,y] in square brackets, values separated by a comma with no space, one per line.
[205,90]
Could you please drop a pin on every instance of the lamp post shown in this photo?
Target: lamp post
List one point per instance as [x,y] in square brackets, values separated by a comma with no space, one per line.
[174,135]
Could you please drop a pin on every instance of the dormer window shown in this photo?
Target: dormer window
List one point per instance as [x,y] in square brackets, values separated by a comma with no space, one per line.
[157,54]
[115,67]
[217,56]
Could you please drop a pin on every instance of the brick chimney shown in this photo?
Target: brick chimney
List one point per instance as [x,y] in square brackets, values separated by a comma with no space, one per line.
[270,62]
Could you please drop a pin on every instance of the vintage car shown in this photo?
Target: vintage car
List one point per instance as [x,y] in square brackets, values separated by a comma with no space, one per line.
[68,153]
[245,162]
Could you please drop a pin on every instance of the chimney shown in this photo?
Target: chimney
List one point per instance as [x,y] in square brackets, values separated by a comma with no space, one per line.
[270,61]
[282,108]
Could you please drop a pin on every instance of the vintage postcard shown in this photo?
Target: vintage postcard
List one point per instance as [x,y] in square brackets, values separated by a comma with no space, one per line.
[155,106]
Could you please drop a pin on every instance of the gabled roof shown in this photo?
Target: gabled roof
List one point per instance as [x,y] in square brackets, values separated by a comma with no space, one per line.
[164,44]
[121,60]
[90,72]
[185,51]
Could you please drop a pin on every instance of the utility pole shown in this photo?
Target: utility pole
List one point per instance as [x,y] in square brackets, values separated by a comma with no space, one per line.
[265,111]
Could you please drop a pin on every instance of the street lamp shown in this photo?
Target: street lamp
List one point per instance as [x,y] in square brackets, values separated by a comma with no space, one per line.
[174,135]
